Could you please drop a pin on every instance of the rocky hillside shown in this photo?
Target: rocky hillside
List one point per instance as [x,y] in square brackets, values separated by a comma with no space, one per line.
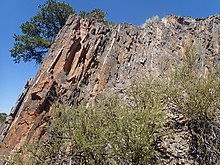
[89,58]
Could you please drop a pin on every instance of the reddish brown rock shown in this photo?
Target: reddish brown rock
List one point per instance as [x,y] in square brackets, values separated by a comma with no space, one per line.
[88,58]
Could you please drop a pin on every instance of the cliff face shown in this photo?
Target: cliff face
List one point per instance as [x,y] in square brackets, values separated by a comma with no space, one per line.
[88,58]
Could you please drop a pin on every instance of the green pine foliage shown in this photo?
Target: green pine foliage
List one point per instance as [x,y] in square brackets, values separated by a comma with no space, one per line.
[97,14]
[40,32]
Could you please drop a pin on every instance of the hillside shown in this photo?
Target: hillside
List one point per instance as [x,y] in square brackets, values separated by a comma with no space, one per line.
[89,58]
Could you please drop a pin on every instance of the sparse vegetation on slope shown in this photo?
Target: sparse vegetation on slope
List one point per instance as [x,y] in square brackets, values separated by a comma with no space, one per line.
[113,131]
[194,90]
[126,131]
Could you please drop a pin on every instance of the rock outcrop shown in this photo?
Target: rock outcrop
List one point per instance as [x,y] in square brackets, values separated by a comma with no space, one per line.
[88,58]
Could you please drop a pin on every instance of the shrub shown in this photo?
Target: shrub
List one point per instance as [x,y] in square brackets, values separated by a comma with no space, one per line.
[196,94]
[2,117]
[114,131]
[150,21]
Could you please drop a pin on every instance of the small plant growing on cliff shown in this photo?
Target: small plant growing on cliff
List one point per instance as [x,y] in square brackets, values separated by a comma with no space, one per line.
[2,117]
[40,32]
[150,21]
[97,14]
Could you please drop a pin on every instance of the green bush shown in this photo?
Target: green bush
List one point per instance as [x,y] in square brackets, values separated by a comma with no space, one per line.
[194,91]
[2,117]
[114,131]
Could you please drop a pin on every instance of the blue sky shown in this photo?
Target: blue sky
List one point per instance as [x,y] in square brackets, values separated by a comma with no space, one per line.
[15,12]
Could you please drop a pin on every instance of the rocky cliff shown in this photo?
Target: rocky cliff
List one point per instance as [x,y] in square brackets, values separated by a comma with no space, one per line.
[88,58]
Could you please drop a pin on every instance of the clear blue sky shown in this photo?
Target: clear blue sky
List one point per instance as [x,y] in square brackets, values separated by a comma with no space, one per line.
[14,12]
